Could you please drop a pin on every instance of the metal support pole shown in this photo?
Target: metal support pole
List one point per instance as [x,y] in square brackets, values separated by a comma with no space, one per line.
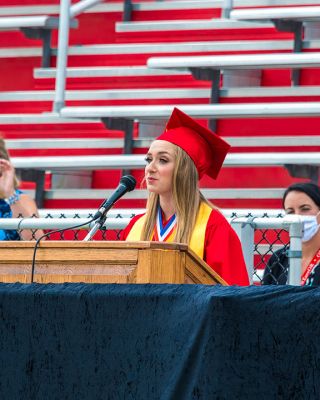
[295,253]
[227,8]
[127,126]
[215,95]
[127,11]
[45,35]
[63,40]
[36,176]
[298,33]
[245,232]
[311,172]
[296,27]
[46,48]
[213,75]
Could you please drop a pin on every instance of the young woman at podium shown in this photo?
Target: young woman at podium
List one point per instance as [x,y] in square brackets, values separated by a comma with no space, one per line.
[176,210]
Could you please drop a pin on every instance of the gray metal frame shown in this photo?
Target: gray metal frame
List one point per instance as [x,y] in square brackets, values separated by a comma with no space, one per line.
[239,61]
[209,111]
[63,43]
[160,47]
[127,162]
[35,27]
[118,143]
[188,24]
[147,112]
[211,67]
[245,229]
[133,161]
[288,19]
[227,8]
[308,13]
[141,194]
[119,71]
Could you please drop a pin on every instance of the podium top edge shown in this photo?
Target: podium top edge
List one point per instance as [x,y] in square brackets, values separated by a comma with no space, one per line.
[103,244]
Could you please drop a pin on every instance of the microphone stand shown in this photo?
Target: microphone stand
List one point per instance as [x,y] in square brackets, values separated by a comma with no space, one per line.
[97,225]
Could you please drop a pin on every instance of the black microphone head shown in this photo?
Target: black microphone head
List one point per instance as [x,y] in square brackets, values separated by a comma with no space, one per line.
[129,182]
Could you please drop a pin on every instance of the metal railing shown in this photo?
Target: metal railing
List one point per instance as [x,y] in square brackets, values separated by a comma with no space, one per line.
[66,12]
[260,235]
[246,228]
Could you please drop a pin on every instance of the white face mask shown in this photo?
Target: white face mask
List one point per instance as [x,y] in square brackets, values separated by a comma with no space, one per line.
[310,227]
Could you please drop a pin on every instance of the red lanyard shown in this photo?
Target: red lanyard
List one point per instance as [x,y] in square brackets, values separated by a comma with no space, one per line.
[310,267]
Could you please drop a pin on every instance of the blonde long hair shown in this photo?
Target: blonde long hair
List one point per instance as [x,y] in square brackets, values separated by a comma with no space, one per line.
[186,197]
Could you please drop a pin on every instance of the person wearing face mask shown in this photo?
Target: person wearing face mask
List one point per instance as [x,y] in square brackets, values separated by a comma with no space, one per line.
[302,199]
[176,209]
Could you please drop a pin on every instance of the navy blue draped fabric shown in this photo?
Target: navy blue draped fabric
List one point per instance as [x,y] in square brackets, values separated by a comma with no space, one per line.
[136,342]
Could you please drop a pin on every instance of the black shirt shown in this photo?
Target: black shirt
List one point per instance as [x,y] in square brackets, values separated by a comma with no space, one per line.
[276,271]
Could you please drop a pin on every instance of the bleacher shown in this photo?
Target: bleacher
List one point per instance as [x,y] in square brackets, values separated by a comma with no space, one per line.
[129,63]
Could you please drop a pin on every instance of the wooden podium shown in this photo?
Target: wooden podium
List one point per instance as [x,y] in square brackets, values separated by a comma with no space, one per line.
[104,262]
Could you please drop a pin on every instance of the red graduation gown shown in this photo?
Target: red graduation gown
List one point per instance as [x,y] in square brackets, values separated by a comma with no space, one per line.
[222,249]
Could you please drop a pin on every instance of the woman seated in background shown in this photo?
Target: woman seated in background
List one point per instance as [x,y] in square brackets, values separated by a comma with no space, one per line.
[176,209]
[302,199]
[13,202]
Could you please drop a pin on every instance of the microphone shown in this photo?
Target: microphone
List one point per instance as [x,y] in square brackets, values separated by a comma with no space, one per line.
[127,184]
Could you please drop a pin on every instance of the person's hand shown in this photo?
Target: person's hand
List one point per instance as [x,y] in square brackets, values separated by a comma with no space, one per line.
[7,174]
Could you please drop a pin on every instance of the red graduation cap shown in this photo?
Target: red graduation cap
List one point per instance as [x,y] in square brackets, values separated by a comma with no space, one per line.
[206,149]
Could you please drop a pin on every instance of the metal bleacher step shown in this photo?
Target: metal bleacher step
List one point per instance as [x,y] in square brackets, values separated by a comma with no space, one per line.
[307,13]
[117,6]
[35,22]
[137,161]
[114,143]
[40,118]
[180,25]
[238,62]
[140,194]
[210,111]
[163,47]
[145,94]
[94,72]
[105,94]
[54,9]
